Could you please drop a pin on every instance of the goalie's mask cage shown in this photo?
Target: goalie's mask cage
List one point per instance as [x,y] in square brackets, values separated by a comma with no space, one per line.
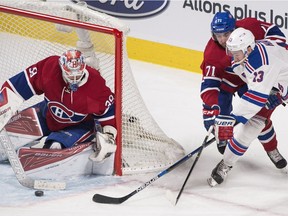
[32,31]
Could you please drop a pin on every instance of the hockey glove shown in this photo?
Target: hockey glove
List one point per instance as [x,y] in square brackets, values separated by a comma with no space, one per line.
[274,99]
[209,115]
[224,128]
[105,144]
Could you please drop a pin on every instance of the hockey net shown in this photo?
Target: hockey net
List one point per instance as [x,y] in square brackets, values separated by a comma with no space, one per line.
[32,31]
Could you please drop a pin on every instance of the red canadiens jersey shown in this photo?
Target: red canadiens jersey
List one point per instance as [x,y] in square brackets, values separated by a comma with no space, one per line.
[215,66]
[65,108]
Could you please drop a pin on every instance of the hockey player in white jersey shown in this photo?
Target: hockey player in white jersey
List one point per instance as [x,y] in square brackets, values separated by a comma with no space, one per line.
[263,65]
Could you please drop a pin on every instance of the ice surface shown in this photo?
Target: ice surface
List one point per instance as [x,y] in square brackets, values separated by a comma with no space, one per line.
[254,186]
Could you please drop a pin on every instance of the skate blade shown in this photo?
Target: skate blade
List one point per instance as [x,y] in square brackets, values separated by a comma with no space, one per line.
[212,182]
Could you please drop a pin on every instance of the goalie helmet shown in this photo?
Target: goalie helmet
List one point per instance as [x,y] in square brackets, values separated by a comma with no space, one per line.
[222,22]
[239,40]
[73,68]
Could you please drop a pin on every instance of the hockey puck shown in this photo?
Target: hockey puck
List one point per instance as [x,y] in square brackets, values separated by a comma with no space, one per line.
[39,193]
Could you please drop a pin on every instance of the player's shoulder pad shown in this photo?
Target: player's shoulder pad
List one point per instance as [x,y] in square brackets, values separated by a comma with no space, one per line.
[258,57]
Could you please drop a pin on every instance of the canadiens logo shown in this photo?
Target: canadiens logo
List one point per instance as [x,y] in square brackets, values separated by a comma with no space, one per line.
[64,115]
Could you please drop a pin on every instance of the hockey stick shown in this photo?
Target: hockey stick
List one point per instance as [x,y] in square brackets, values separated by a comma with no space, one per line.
[21,176]
[194,163]
[118,200]
[9,103]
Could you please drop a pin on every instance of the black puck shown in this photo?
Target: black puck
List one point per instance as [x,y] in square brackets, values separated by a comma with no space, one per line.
[39,193]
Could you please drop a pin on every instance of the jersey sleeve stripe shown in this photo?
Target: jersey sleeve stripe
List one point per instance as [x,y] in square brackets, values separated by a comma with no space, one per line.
[22,86]
[229,83]
[29,84]
[255,98]
[212,78]
[274,33]
[263,54]
[13,89]
[210,89]
[107,115]
[249,67]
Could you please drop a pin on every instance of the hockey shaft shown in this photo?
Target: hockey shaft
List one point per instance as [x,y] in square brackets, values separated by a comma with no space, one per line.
[118,200]
[16,165]
[194,164]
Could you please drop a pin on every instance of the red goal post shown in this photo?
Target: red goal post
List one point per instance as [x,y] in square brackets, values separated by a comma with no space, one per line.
[31,31]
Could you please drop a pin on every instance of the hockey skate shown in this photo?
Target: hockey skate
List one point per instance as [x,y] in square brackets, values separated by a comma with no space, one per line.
[278,160]
[219,174]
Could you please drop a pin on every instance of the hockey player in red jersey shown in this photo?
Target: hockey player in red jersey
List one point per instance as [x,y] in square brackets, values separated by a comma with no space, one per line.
[75,97]
[218,85]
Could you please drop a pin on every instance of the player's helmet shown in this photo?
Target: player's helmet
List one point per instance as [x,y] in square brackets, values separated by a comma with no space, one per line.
[240,39]
[73,67]
[222,22]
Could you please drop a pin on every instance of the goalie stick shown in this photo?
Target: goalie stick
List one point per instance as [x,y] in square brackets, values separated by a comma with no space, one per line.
[118,200]
[20,174]
[7,97]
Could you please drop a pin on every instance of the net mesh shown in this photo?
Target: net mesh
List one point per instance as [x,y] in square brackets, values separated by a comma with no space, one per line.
[144,146]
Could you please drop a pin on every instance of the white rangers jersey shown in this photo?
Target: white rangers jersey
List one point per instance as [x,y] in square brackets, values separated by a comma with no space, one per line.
[266,67]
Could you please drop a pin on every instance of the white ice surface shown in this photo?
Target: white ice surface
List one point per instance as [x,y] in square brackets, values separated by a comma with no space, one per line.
[254,186]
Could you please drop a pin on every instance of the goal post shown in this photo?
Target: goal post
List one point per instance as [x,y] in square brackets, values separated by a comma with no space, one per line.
[32,31]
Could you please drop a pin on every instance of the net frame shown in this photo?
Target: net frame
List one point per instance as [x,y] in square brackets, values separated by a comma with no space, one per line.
[120,51]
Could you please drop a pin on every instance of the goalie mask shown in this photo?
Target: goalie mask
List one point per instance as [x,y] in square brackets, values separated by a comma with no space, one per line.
[73,68]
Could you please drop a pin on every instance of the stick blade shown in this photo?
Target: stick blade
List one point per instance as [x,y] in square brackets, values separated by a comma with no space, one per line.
[98,198]
[49,185]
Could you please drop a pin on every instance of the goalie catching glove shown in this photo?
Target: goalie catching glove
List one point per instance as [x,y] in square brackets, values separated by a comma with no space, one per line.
[105,144]
[224,127]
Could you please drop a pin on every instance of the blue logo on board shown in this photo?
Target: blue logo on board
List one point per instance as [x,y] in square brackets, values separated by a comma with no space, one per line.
[128,8]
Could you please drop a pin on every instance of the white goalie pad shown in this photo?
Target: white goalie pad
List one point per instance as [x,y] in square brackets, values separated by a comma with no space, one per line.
[64,163]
